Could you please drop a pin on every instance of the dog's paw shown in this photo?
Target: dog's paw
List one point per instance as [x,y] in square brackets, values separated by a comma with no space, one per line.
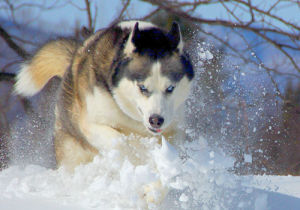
[154,193]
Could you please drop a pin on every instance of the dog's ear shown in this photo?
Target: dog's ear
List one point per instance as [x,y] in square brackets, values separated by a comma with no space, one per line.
[175,37]
[136,32]
[129,47]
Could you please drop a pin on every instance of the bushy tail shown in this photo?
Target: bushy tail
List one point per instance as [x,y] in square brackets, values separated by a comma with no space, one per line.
[53,59]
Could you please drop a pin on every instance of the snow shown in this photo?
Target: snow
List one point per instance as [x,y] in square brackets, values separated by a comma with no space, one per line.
[261,202]
[288,185]
[248,158]
[205,54]
[195,176]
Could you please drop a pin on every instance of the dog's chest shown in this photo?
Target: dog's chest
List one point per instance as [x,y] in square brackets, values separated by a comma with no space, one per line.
[101,109]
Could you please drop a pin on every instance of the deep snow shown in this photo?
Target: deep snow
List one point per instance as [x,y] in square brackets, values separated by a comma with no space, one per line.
[197,179]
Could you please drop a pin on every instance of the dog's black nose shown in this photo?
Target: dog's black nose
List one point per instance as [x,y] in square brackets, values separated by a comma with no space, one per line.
[156,121]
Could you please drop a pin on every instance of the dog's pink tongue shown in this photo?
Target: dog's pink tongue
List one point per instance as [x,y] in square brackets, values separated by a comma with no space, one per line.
[158,130]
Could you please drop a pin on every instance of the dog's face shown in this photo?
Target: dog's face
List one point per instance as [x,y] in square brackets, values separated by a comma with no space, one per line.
[151,84]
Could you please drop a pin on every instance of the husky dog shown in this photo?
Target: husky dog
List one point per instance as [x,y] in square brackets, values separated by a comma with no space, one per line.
[132,77]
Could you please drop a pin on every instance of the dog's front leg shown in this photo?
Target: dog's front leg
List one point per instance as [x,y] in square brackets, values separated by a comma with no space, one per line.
[155,192]
[103,136]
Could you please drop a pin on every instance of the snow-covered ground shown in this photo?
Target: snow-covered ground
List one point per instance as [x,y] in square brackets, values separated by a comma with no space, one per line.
[197,178]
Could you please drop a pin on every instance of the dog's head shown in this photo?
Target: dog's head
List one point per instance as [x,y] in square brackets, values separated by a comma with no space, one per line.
[153,77]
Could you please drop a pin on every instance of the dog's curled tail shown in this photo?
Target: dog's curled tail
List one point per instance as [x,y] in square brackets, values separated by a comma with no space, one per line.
[53,59]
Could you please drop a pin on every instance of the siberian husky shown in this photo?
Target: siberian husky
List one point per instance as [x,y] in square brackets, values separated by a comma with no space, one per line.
[132,77]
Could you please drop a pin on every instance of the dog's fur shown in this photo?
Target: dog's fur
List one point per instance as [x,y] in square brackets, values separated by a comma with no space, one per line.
[112,84]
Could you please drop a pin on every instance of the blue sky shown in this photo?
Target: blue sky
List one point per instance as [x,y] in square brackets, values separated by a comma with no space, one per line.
[65,17]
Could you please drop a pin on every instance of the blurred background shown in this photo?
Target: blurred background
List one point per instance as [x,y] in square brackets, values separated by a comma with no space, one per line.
[246,95]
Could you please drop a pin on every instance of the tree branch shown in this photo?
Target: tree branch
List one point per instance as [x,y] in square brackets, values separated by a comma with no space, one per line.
[148,16]
[267,14]
[120,16]
[16,48]
[7,77]
[176,10]
[89,15]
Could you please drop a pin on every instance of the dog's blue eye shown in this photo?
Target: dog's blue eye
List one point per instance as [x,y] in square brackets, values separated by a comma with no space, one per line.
[143,89]
[170,89]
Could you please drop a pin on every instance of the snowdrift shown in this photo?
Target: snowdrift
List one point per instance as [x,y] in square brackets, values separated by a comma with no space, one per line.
[197,178]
